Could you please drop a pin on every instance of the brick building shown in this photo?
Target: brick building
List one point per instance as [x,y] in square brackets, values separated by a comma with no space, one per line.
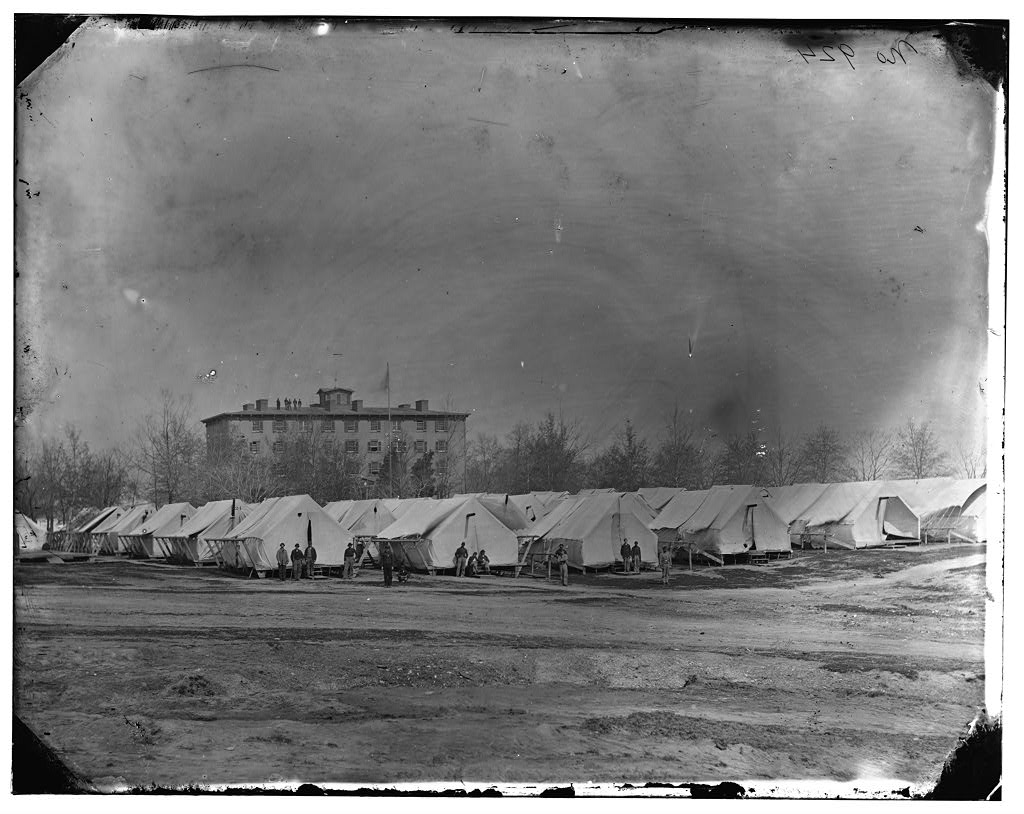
[363,431]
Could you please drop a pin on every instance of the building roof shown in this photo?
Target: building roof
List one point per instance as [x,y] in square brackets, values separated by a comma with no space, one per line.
[363,412]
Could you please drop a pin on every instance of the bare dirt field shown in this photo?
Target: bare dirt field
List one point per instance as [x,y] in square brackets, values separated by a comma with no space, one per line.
[835,666]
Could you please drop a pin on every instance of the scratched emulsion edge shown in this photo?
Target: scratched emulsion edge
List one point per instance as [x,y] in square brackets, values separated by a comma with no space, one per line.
[29,370]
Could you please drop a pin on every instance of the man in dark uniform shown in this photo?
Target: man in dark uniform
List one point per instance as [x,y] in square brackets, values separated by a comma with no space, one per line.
[461,558]
[282,562]
[562,559]
[310,557]
[387,562]
[350,561]
[627,555]
[637,556]
[297,560]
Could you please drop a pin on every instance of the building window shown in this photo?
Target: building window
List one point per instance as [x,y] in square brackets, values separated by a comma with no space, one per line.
[351,425]
[373,446]
[396,426]
[421,446]
[401,446]
[305,425]
[421,425]
[278,447]
[280,425]
[441,446]
[351,447]
[374,467]
[441,464]
[328,425]
[374,425]
[257,425]
[254,447]
[440,425]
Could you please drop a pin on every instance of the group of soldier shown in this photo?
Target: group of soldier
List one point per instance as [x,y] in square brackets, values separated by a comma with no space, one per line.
[466,565]
[303,562]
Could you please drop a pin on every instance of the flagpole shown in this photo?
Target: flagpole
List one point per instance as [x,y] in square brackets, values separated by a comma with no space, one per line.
[391,428]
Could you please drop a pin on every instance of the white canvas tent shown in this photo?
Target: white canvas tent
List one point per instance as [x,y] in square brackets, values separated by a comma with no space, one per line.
[958,513]
[252,545]
[364,519]
[734,520]
[106,536]
[533,506]
[790,502]
[426,535]
[658,497]
[859,514]
[192,544]
[79,536]
[667,523]
[28,534]
[592,527]
[141,542]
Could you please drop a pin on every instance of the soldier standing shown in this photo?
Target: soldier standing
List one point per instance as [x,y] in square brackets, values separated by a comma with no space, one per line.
[387,561]
[310,557]
[627,555]
[637,556]
[297,560]
[350,561]
[562,558]
[282,562]
[665,560]
[461,557]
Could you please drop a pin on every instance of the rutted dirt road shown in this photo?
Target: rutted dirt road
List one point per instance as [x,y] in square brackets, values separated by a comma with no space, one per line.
[831,666]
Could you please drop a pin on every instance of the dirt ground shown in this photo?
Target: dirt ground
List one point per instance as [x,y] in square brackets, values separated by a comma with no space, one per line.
[833,666]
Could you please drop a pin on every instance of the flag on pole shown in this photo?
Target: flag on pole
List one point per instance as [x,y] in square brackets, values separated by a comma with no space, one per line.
[385,383]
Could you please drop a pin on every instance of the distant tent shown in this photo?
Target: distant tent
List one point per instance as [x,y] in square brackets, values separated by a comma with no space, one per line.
[667,523]
[426,535]
[592,527]
[734,520]
[959,512]
[337,508]
[192,544]
[106,536]
[790,502]
[657,497]
[507,512]
[253,544]
[859,514]
[141,542]
[28,534]
[399,505]
[363,518]
[78,535]
[533,506]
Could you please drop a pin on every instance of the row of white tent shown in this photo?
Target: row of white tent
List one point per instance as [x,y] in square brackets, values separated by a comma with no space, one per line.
[425,532]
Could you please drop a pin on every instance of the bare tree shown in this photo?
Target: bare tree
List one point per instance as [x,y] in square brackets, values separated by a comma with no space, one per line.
[168,451]
[483,467]
[783,460]
[918,454]
[970,462]
[824,456]
[744,459]
[679,459]
[870,455]
[625,466]
[237,473]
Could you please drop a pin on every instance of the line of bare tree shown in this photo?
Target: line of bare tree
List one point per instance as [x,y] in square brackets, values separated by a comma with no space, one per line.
[555,455]
[166,460]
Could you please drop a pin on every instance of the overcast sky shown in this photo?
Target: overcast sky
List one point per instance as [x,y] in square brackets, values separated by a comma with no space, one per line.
[515,222]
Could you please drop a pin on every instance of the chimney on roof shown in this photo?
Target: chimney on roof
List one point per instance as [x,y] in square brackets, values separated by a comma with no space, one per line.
[247,408]
[261,405]
[357,405]
[422,405]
